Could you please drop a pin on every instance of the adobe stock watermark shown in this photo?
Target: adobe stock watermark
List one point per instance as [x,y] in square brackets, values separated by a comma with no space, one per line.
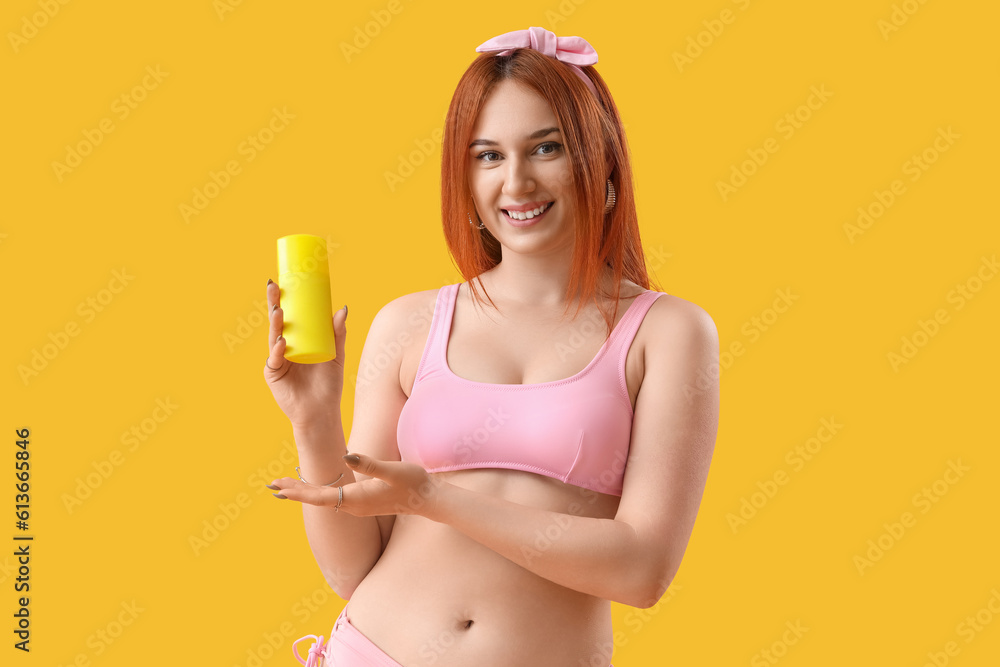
[923,500]
[545,539]
[635,620]
[132,438]
[249,148]
[364,35]
[562,13]
[695,45]
[88,309]
[246,326]
[7,569]
[915,166]
[387,353]
[594,322]
[223,7]
[578,336]
[797,457]
[211,529]
[121,108]
[407,164]
[31,24]
[656,258]
[276,467]
[786,126]
[968,628]
[269,645]
[473,440]
[102,639]
[926,329]
[611,474]
[898,17]
[230,510]
[753,329]
[273,642]
[779,647]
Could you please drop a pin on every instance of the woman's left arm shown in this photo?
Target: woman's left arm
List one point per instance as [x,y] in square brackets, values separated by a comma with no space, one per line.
[632,558]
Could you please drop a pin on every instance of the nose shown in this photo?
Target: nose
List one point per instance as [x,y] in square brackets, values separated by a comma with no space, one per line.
[519,178]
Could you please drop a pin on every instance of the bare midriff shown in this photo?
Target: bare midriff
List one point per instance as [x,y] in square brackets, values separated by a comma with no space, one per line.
[438,597]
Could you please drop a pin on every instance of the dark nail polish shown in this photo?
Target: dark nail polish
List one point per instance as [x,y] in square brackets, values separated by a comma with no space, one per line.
[352,459]
[278,495]
[269,281]
[272,487]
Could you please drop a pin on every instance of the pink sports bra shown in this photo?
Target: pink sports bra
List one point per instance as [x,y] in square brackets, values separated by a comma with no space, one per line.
[576,430]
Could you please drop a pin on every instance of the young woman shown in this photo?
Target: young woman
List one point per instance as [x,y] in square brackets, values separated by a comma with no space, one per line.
[527,456]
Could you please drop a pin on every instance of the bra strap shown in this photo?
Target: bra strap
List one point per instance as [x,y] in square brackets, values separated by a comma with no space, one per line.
[629,327]
[437,332]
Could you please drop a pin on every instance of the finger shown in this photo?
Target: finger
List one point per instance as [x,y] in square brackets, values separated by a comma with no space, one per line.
[340,332]
[289,488]
[366,465]
[276,354]
[276,342]
[273,301]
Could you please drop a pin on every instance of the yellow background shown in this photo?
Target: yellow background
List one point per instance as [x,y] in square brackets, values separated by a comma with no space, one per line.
[166,334]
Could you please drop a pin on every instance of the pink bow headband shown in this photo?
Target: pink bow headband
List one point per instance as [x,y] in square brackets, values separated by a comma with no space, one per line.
[574,51]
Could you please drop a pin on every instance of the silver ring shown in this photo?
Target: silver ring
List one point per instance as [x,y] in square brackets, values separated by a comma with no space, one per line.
[266,359]
[339,500]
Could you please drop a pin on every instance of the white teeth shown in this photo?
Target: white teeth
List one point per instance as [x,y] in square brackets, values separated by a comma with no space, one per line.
[527,215]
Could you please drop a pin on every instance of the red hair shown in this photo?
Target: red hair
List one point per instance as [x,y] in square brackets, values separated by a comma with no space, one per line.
[595,143]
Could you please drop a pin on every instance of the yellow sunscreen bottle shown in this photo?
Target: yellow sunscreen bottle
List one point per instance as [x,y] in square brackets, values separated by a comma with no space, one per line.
[304,281]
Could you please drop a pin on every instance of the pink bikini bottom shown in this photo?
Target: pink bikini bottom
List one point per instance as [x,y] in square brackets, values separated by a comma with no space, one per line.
[347,647]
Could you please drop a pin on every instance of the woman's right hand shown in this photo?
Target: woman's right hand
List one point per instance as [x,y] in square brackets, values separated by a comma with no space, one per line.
[306,393]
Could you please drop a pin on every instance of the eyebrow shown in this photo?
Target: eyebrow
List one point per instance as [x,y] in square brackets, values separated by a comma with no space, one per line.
[534,135]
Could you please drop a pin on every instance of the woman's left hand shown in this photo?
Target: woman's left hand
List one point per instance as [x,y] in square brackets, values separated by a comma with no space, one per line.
[398,487]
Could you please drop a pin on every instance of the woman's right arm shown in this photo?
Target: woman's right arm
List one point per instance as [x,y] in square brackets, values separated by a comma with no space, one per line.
[345,547]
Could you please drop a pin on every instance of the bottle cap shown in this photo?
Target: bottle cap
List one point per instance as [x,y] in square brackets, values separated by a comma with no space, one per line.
[299,253]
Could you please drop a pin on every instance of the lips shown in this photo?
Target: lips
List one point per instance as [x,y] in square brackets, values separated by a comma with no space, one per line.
[527,222]
[528,214]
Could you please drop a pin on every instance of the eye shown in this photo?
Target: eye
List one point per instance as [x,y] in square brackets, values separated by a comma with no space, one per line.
[552,147]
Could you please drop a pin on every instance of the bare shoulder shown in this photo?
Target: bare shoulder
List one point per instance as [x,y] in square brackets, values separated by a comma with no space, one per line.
[676,324]
[399,332]
[406,315]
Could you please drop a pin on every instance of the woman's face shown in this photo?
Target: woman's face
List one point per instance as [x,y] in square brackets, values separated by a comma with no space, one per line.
[518,164]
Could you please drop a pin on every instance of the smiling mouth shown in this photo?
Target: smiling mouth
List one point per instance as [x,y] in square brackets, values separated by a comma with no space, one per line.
[528,215]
